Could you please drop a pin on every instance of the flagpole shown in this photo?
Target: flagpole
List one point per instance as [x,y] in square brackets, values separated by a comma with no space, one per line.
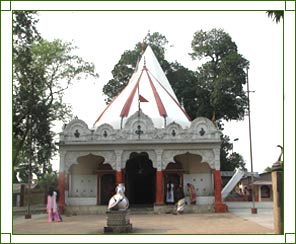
[139,99]
[139,134]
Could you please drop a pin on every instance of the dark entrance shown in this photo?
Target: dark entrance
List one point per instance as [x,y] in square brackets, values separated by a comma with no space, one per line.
[107,188]
[140,179]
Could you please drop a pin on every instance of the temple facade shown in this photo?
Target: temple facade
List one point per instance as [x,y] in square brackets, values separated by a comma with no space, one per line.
[144,139]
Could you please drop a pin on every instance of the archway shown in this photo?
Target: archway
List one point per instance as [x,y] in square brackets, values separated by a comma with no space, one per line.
[196,172]
[82,181]
[140,179]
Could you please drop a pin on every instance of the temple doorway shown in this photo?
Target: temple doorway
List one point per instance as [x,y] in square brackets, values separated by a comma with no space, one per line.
[140,179]
[107,188]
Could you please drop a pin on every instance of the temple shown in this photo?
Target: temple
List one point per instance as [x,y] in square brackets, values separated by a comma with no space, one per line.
[144,139]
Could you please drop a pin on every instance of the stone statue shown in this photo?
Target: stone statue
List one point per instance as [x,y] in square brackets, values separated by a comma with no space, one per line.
[118,201]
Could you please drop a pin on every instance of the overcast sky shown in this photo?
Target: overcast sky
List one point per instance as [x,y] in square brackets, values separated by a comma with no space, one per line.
[102,37]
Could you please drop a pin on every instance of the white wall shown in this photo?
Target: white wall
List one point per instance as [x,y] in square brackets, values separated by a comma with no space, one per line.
[202,182]
[83,186]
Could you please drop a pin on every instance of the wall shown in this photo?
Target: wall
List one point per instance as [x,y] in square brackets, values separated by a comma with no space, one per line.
[83,186]
[202,182]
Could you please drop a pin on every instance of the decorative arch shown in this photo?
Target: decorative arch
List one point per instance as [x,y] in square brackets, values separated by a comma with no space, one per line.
[104,132]
[173,131]
[207,156]
[126,156]
[72,157]
[76,130]
[138,125]
[192,163]
[203,128]
[87,164]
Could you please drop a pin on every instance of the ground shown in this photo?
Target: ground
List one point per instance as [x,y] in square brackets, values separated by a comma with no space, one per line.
[237,221]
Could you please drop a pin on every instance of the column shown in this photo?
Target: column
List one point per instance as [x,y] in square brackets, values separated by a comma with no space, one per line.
[277,181]
[118,174]
[159,188]
[61,202]
[159,179]
[219,206]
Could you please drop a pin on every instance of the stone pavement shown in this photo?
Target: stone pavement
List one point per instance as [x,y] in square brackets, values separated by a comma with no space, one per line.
[236,221]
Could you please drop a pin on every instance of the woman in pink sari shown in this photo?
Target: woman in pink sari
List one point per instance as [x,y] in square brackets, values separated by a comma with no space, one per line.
[192,193]
[52,208]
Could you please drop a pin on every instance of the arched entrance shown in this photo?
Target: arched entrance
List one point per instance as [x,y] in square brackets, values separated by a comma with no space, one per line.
[140,179]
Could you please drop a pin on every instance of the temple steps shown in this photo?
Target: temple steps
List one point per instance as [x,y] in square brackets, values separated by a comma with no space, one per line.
[134,210]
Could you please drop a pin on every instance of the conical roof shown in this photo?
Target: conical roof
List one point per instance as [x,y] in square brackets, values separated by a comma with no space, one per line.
[148,90]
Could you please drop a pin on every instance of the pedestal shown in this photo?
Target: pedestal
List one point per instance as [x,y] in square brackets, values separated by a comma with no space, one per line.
[118,222]
[28,216]
[253,210]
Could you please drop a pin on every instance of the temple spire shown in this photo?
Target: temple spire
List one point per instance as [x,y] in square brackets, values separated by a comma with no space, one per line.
[149,92]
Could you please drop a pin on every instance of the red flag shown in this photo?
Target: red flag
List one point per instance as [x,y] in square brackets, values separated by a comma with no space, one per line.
[142,99]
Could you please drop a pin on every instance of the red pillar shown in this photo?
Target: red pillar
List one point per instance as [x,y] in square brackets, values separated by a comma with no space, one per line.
[219,206]
[61,202]
[159,188]
[118,177]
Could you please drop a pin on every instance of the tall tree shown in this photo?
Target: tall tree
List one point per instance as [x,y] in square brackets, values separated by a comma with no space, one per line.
[221,76]
[43,70]
[219,90]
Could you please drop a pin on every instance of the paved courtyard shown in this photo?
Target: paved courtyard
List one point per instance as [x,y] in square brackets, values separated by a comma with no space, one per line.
[236,221]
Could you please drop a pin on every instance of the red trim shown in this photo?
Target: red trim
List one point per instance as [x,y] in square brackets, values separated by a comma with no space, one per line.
[161,108]
[126,108]
[178,104]
[217,184]
[219,206]
[109,105]
[61,203]
[159,188]
[119,177]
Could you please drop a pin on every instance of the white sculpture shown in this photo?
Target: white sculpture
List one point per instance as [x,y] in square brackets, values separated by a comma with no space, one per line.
[118,201]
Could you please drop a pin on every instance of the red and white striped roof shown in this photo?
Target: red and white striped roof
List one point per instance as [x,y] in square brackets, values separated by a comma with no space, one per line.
[147,83]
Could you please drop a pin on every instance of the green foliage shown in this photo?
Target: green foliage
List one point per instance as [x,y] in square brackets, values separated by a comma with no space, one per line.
[43,70]
[49,179]
[268,169]
[221,76]
[184,83]
[230,161]
[125,67]
[277,15]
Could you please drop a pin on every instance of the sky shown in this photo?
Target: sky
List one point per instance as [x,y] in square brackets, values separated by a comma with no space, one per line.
[102,37]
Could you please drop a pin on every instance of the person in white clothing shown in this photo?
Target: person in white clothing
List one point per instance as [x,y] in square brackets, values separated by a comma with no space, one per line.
[170,193]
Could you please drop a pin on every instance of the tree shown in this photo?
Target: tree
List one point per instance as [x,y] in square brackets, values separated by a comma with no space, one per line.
[230,161]
[47,180]
[268,169]
[277,15]
[221,76]
[182,81]
[43,70]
